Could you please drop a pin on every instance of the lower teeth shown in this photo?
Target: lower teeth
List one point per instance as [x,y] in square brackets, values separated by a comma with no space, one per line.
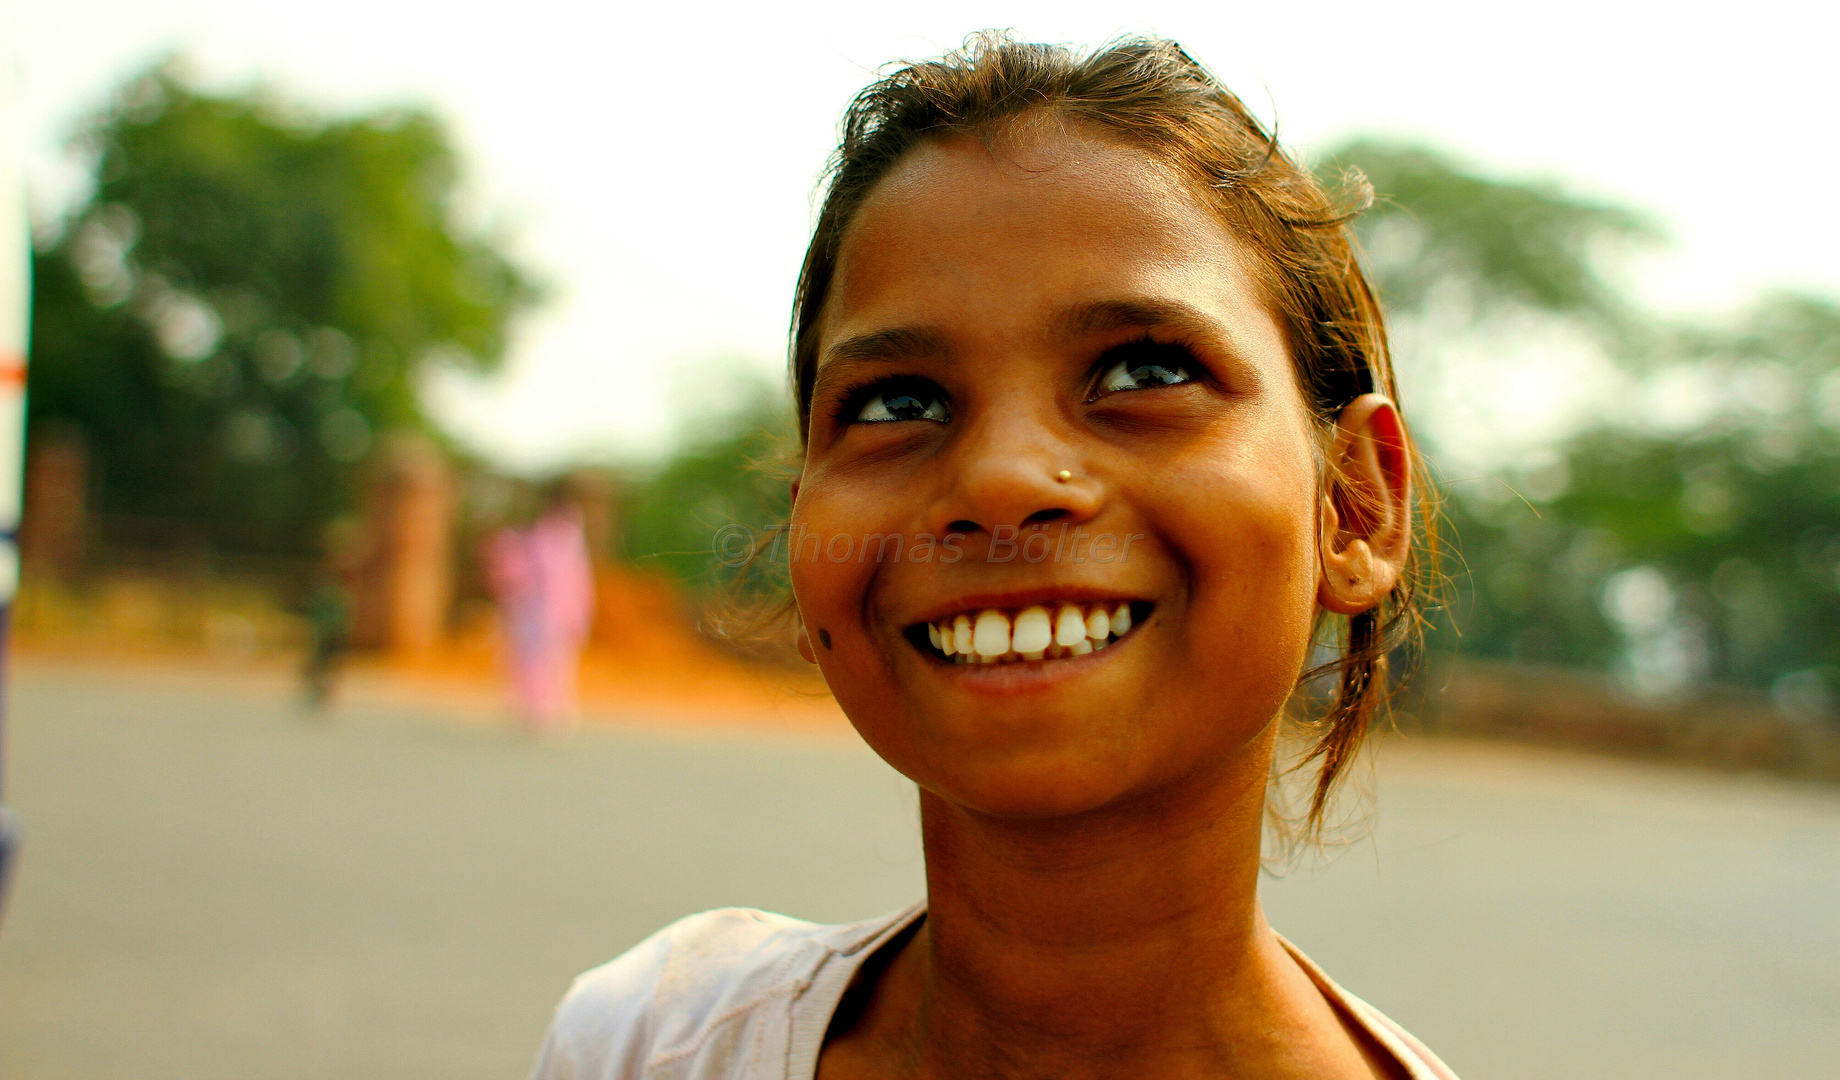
[1053,652]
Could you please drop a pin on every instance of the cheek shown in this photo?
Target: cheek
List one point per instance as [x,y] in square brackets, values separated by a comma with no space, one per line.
[1245,523]
[821,581]
[831,583]
[824,546]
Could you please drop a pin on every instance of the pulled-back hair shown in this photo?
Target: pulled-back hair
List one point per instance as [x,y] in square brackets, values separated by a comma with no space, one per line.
[1151,95]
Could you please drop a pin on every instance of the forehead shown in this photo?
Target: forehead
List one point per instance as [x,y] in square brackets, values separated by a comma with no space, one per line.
[999,233]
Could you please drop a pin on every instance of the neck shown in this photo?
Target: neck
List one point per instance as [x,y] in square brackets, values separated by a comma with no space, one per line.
[1036,926]
[1127,941]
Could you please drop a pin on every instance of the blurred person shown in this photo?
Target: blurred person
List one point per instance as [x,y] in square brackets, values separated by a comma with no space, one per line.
[328,612]
[1098,355]
[543,581]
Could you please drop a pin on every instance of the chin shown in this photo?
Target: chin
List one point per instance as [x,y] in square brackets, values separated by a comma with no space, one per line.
[1047,767]
[1032,791]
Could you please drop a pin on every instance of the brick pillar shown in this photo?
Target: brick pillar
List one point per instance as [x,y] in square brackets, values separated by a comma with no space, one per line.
[56,519]
[406,578]
[596,492]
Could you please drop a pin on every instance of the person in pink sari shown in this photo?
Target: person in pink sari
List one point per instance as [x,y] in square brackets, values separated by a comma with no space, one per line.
[543,581]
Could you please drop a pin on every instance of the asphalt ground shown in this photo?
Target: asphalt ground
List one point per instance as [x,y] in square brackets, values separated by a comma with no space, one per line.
[214,886]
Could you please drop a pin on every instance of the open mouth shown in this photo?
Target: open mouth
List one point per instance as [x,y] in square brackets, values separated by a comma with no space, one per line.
[1021,635]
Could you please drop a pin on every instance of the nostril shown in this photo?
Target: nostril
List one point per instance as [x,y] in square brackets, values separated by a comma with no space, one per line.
[962,525]
[1042,517]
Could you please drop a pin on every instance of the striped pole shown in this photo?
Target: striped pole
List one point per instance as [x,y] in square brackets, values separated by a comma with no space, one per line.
[15,311]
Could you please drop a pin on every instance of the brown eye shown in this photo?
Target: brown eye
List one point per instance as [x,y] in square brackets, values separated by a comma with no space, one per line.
[885,407]
[901,400]
[1126,375]
[1143,365]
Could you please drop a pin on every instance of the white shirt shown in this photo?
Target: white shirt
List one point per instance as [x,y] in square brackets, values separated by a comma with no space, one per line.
[737,994]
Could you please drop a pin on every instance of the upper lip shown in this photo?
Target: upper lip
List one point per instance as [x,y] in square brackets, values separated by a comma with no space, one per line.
[1022,598]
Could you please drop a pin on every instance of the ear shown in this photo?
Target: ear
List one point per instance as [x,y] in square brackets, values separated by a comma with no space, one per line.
[1367,507]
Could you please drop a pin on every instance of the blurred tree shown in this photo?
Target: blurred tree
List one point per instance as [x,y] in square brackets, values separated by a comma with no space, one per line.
[1726,526]
[1695,533]
[1441,231]
[245,304]
[729,470]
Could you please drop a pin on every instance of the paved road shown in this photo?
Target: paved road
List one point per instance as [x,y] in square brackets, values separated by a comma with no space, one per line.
[213,888]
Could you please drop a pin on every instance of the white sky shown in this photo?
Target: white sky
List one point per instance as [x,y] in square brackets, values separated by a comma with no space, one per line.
[656,162]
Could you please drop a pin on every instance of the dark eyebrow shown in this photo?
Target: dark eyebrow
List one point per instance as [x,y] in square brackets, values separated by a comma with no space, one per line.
[898,343]
[1104,316]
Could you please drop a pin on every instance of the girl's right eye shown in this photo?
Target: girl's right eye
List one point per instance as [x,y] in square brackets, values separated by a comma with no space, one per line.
[904,399]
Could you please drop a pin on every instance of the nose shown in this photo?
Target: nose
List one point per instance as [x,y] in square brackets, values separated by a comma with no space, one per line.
[1015,471]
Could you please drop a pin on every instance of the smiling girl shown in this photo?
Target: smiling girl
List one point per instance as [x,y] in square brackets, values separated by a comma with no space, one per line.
[1056,296]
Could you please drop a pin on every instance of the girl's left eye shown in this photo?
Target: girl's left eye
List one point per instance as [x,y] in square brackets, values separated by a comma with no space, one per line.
[1144,365]
[902,402]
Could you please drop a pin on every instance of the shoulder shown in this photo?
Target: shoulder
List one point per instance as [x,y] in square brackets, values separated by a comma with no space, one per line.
[666,994]
[1413,1057]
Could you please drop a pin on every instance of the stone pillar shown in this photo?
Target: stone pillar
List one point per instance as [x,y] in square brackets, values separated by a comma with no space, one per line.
[405,582]
[596,492]
[56,519]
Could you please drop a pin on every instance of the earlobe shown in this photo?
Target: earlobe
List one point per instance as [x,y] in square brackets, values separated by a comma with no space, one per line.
[1366,532]
[1352,578]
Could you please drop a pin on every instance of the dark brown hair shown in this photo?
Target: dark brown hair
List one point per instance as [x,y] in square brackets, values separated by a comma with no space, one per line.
[1151,95]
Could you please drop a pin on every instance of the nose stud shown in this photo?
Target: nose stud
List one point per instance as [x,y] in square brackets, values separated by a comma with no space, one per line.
[1063,476]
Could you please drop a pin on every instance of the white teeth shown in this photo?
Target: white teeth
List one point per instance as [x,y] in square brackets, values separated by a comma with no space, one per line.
[1033,631]
[991,637]
[1098,626]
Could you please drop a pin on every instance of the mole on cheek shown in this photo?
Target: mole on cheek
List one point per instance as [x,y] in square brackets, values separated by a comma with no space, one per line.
[824,637]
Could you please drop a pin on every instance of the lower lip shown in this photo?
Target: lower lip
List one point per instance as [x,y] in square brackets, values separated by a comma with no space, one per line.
[1029,675]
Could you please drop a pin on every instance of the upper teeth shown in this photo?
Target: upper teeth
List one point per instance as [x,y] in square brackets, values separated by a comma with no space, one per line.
[1034,633]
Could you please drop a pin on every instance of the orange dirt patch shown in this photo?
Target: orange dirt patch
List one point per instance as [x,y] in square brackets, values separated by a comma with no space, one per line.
[642,661]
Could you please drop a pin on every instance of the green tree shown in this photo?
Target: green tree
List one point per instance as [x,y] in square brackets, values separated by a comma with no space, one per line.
[1736,517]
[247,301]
[1443,230]
[1673,550]
[730,469]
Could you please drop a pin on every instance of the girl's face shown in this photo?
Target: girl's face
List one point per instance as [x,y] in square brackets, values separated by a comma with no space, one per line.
[1059,303]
